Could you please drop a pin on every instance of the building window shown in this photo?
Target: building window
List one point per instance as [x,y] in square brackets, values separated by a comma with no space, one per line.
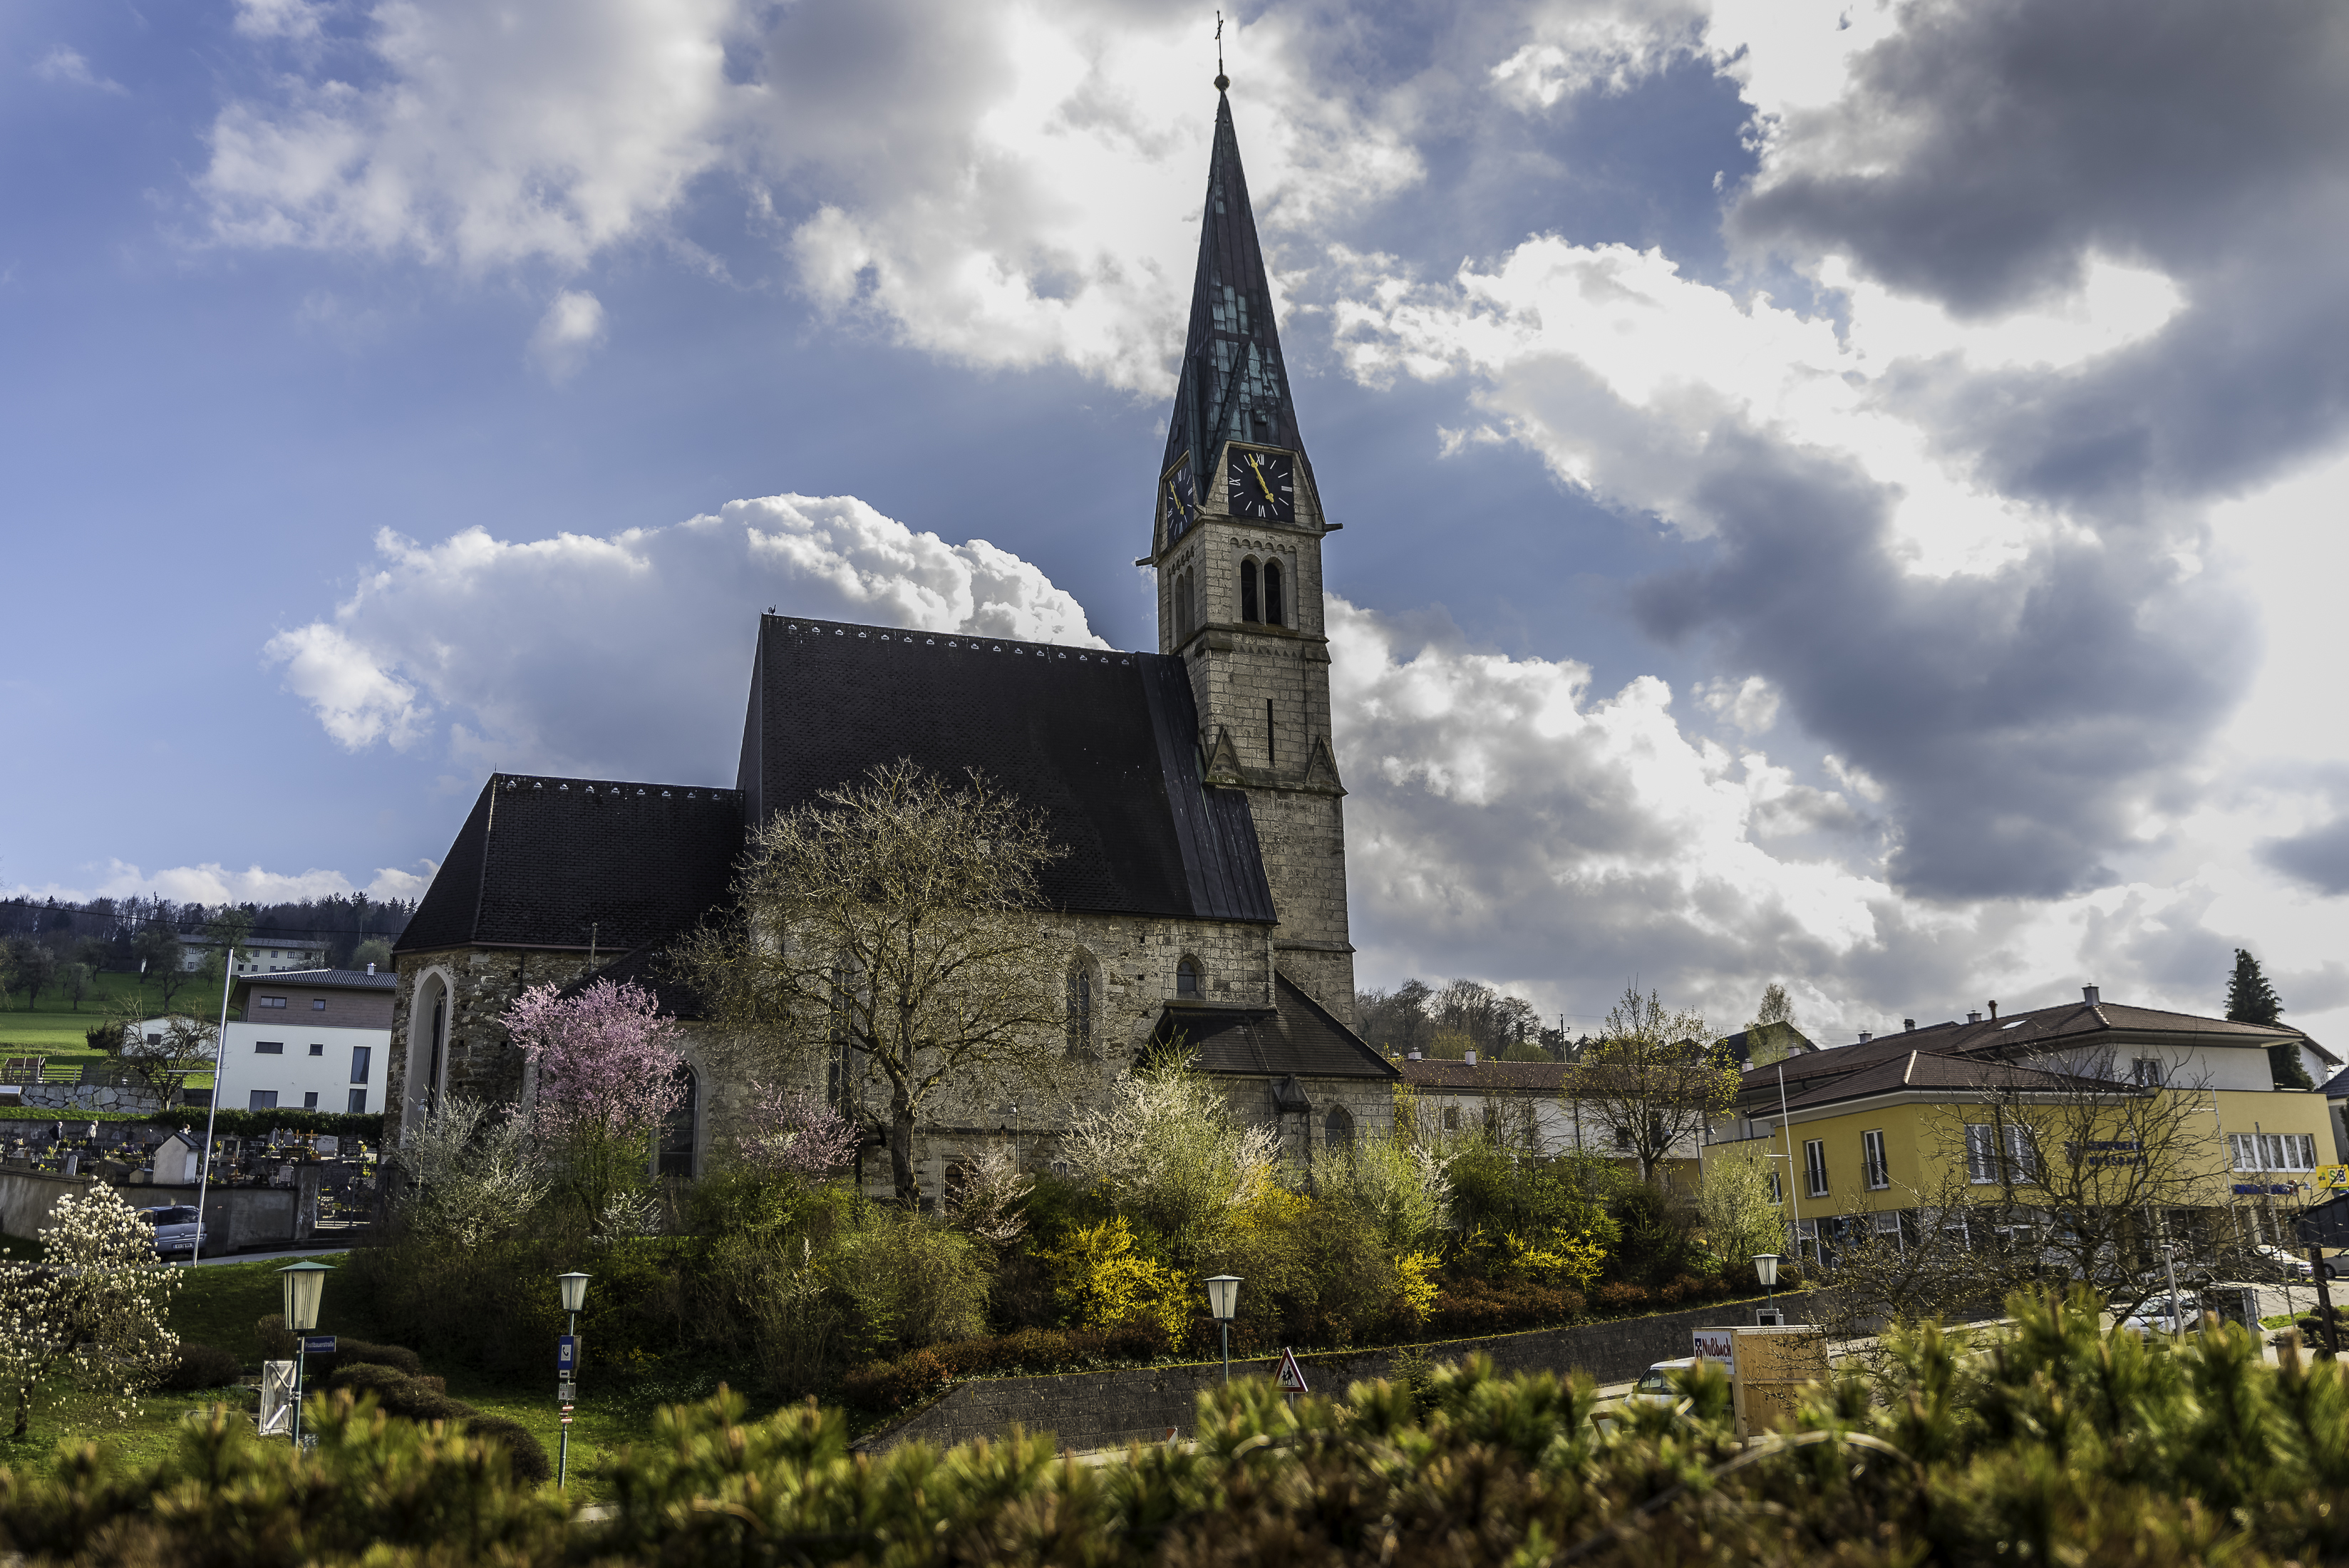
[317,1004]
[2273,1151]
[362,1058]
[1778,1186]
[2146,1072]
[1337,1130]
[358,1103]
[1081,1008]
[1272,593]
[1186,981]
[1888,1223]
[316,1049]
[1452,1118]
[310,1101]
[269,1047]
[675,1154]
[273,1002]
[2023,1154]
[263,1100]
[1982,1153]
[1807,1240]
[1815,1166]
[1247,590]
[1872,1148]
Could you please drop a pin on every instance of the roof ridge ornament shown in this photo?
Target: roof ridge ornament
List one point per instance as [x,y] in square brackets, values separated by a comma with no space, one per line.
[1222,82]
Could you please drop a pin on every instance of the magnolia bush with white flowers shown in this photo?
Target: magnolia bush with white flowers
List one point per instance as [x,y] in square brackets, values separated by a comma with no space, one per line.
[91,1314]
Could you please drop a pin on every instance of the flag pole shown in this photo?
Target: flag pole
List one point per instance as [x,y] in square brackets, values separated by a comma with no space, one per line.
[220,1064]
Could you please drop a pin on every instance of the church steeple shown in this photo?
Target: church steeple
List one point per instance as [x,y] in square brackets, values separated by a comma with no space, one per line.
[1235,385]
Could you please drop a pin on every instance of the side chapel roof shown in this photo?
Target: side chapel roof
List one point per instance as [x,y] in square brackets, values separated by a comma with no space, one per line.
[1296,1037]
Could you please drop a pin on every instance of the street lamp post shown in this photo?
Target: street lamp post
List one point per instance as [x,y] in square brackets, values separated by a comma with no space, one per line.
[1223,1299]
[305,1283]
[1765,1268]
[573,1287]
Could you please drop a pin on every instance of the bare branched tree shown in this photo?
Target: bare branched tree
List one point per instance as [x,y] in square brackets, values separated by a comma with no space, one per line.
[898,928]
[1652,1077]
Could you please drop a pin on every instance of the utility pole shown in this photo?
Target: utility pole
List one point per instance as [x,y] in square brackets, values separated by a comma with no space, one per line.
[212,1111]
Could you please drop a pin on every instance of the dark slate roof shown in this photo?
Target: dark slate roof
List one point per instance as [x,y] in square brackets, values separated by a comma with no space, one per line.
[1234,384]
[325,979]
[540,861]
[1918,1070]
[1103,744]
[1295,1037]
[1510,1077]
[645,967]
[2337,1086]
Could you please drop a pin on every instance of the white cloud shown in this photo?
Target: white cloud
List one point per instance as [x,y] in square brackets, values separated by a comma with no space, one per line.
[296,19]
[572,328]
[1751,704]
[68,66]
[211,883]
[1003,183]
[629,654]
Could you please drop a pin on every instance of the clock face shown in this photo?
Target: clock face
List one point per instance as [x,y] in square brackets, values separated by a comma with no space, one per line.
[1261,484]
[1178,500]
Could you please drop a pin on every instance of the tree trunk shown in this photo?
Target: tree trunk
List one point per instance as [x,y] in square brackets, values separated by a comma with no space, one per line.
[901,1154]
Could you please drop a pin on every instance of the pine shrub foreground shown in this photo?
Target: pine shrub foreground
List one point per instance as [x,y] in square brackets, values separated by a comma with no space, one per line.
[2059,1445]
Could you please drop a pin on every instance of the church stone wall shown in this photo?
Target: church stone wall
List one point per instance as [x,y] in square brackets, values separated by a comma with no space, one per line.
[480,1061]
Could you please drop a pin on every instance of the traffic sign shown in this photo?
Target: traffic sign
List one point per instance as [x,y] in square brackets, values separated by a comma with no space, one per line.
[566,1354]
[317,1345]
[1292,1377]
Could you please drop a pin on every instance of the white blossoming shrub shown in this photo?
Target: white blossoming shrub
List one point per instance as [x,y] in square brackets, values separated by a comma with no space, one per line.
[91,1314]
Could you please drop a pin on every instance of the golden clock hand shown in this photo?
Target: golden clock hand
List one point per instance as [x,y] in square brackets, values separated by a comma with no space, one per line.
[1260,485]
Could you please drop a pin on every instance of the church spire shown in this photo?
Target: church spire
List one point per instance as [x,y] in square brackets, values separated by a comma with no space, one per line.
[1235,385]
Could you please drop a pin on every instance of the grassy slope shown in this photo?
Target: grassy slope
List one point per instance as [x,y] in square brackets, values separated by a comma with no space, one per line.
[219,1304]
[54,1029]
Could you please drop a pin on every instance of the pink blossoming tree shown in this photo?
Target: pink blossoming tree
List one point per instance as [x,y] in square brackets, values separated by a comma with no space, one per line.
[792,1133]
[607,1063]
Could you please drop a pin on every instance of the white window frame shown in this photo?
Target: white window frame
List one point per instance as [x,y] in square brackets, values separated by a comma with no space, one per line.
[2278,1152]
[2021,1153]
[1872,1160]
[1981,1154]
[1814,1166]
[2148,1071]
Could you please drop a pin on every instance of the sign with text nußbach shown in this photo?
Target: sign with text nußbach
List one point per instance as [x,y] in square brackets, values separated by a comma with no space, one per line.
[318,1345]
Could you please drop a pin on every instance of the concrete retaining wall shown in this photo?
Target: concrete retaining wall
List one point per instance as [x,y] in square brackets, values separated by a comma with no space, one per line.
[236,1218]
[1102,1409]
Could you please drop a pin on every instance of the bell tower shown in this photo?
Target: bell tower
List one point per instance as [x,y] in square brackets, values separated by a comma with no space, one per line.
[1237,545]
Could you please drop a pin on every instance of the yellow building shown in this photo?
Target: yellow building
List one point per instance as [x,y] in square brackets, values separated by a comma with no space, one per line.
[2036,1115]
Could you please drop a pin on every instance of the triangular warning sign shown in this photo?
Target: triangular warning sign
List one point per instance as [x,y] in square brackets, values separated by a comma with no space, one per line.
[1292,1377]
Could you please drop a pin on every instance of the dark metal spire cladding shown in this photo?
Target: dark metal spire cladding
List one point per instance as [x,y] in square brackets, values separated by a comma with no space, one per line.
[1235,386]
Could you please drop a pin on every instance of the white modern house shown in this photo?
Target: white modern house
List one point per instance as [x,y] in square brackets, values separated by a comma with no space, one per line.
[261,953]
[313,1040]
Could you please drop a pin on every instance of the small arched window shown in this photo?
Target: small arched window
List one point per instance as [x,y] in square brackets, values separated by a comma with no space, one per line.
[1452,1118]
[1186,981]
[1080,1009]
[1337,1130]
[1247,590]
[674,1155]
[1272,594]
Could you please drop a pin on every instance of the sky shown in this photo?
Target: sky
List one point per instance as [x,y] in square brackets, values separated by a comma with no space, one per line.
[1847,495]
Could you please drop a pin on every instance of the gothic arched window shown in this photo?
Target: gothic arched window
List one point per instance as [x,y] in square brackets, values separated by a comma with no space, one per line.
[1186,981]
[1337,1130]
[1247,590]
[1272,594]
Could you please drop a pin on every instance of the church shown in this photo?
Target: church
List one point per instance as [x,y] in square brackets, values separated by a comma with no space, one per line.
[1195,790]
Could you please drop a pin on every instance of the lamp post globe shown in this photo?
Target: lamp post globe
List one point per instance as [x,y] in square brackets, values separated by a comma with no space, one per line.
[1765,1268]
[1223,1301]
[573,1287]
[304,1281]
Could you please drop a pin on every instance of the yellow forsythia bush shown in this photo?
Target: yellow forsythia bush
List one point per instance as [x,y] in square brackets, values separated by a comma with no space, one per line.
[1559,1258]
[1102,1280]
[1416,1289]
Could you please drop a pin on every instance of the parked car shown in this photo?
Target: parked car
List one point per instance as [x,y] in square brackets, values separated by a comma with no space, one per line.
[2164,1315]
[2287,1264]
[177,1229]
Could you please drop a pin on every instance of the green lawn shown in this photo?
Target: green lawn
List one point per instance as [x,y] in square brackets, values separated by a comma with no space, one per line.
[55,1029]
[219,1304]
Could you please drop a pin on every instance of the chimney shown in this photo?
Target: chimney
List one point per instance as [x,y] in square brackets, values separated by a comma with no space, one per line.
[1469,1057]
[370,968]
[1864,1036]
[2089,992]
[1993,1013]
[1975,1016]
[1412,1054]
[1908,1025]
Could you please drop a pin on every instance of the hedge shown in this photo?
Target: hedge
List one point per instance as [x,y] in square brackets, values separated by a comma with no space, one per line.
[226,1123]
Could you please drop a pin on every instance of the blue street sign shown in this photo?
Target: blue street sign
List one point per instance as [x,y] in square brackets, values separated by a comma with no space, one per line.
[318,1345]
[566,1353]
